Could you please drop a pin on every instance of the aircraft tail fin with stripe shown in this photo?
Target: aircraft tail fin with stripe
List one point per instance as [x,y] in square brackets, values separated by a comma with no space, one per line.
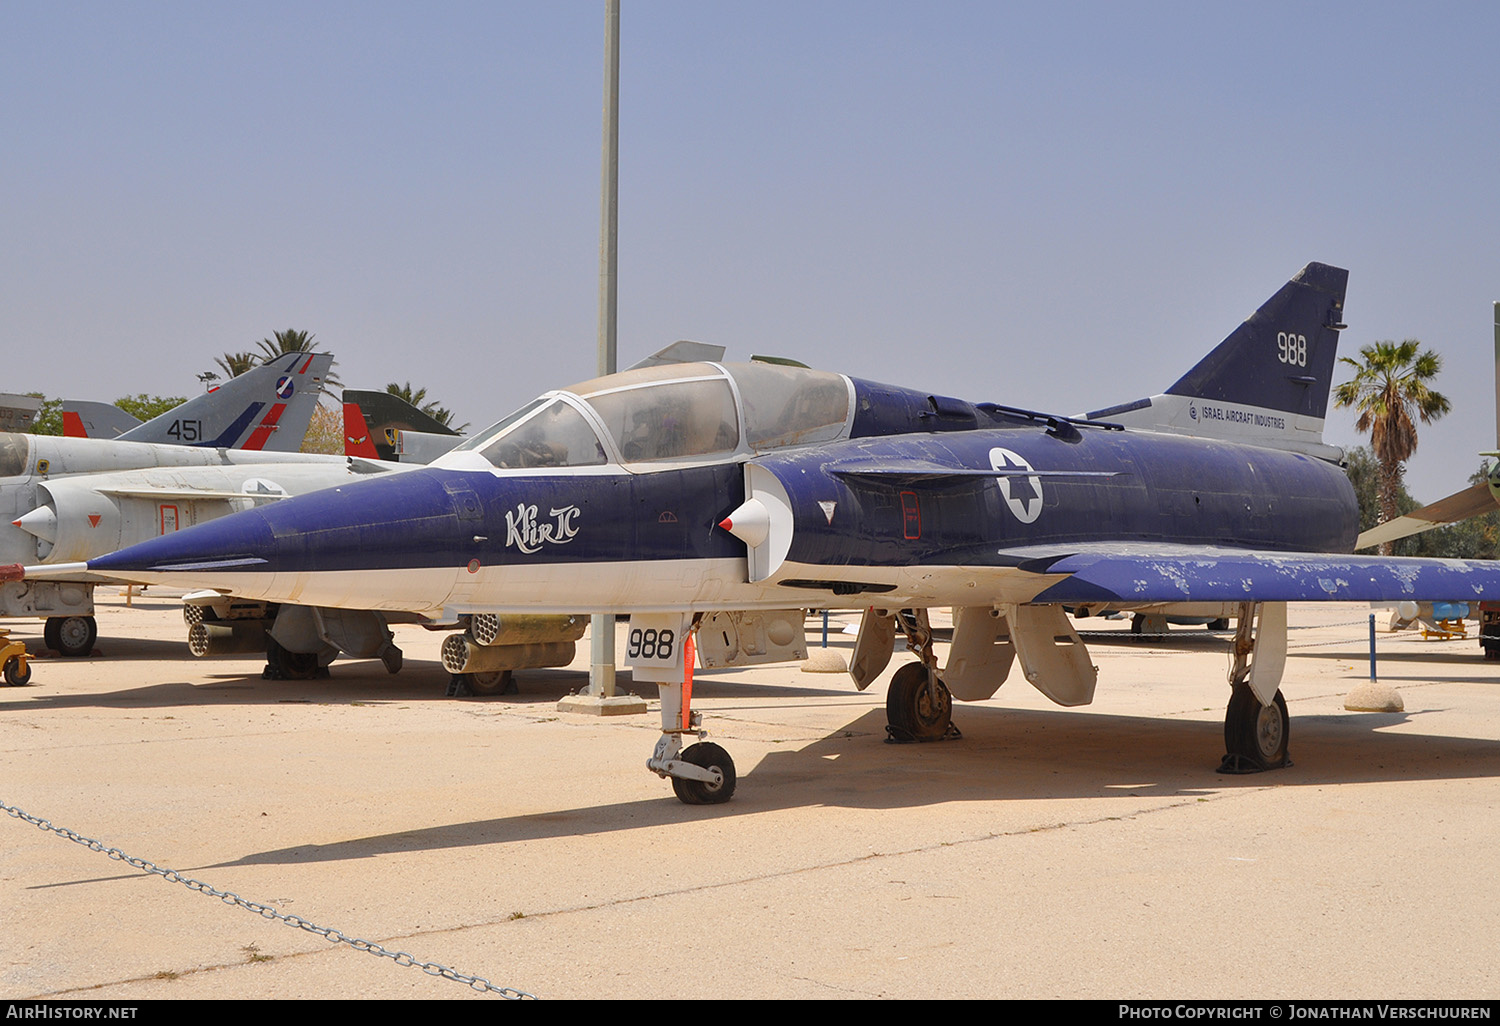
[267,408]
[1268,382]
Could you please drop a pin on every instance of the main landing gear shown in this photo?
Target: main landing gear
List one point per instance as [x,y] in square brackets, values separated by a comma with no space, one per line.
[918,706]
[486,684]
[72,636]
[1256,731]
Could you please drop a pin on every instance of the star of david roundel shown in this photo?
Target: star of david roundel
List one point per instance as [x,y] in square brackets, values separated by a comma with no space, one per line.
[1022,493]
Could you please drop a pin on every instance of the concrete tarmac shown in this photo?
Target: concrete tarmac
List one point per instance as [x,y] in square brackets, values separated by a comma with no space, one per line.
[1049,853]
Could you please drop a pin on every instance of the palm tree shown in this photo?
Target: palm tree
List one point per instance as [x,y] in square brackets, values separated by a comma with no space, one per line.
[289,341]
[294,341]
[235,364]
[441,414]
[1390,386]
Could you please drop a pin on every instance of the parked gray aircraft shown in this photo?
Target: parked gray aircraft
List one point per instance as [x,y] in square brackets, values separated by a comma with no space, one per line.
[69,495]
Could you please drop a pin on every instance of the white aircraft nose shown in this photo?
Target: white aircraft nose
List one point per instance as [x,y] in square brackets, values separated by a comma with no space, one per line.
[41,522]
[750,522]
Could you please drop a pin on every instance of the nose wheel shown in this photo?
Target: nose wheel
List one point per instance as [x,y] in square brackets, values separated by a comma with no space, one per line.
[716,762]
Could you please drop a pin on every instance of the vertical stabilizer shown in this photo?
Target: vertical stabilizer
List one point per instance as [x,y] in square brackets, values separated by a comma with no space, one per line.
[1268,382]
[390,418]
[267,408]
[357,432]
[84,419]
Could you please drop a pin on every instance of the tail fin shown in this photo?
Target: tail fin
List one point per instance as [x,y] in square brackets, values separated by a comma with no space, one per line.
[357,433]
[84,419]
[1268,382]
[268,407]
[388,415]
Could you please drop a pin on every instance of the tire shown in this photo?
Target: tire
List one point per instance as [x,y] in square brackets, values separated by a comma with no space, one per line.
[699,792]
[14,675]
[76,635]
[50,632]
[487,685]
[910,709]
[1254,732]
[1221,624]
[284,665]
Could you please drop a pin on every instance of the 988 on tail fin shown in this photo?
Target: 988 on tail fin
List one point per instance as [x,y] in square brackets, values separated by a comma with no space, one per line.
[1268,382]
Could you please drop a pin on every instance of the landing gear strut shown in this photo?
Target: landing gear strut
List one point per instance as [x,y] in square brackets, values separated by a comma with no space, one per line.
[703,773]
[1256,731]
[918,706]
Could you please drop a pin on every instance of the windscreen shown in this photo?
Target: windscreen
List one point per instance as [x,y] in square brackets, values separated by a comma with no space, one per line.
[546,433]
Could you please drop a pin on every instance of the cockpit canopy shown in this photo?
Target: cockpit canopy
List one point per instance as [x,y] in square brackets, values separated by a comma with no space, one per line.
[687,411]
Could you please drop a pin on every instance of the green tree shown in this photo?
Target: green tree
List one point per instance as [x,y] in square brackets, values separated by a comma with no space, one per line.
[1391,391]
[49,418]
[145,407]
[441,414]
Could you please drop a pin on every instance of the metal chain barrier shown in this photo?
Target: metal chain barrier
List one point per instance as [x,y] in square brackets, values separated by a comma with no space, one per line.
[478,983]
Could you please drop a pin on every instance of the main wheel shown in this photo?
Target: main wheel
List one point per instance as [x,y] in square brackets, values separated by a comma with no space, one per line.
[284,665]
[911,708]
[1254,732]
[75,635]
[494,682]
[700,792]
[14,675]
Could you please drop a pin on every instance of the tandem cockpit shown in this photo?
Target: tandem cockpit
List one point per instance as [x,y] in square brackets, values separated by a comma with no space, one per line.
[691,413]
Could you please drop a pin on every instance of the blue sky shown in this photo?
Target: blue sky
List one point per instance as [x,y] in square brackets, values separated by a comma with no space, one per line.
[1057,205]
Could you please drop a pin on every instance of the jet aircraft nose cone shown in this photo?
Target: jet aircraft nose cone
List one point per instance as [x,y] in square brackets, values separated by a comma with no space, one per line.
[750,522]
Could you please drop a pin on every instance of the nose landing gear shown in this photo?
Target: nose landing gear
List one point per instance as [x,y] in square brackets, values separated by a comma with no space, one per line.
[703,773]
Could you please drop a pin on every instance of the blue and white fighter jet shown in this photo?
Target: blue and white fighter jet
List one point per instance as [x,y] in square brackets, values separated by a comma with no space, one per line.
[717,500]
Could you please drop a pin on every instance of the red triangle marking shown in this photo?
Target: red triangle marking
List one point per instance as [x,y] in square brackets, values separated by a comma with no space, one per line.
[94,519]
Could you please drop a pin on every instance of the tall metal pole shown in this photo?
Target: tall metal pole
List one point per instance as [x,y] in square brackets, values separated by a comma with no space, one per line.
[602,628]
